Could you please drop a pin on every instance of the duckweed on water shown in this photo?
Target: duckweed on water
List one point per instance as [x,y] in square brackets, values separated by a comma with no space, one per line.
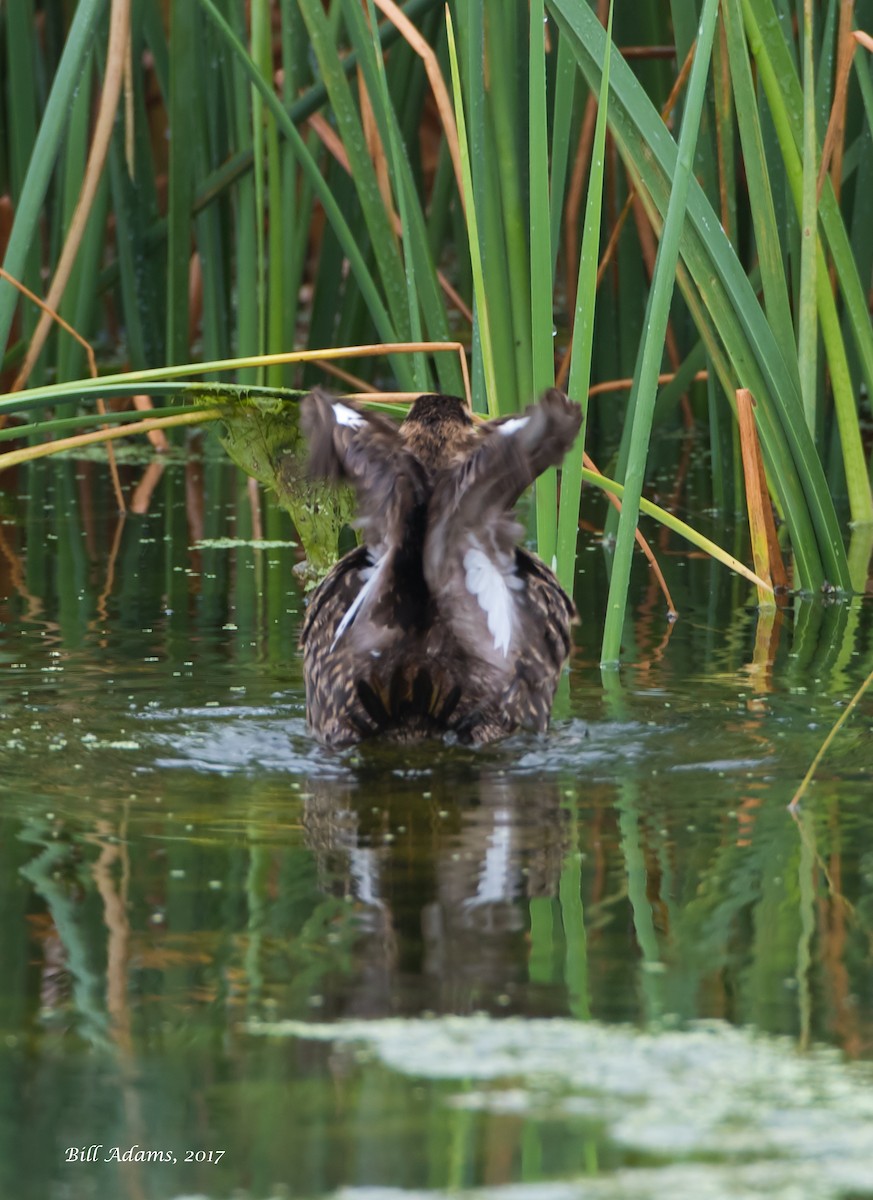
[738,1114]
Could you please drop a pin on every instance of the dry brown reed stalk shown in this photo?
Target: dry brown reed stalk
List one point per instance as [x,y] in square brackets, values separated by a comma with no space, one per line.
[102,605]
[768,630]
[435,77]
[844,716]
[624,385]
[157,437]
[51,315]
[765,545]
[576,189]
[834,143]
[576,198]
[144,490]
[346,376]
[376,150]
[29,453]
[722,80]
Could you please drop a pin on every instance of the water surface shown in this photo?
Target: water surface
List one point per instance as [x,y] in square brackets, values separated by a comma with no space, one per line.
[603,963]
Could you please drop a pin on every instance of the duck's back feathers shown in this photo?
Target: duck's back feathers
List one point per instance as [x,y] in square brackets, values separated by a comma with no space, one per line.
[439,622]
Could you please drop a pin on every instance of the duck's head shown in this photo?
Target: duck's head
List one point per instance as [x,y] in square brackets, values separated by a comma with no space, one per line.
[439,431]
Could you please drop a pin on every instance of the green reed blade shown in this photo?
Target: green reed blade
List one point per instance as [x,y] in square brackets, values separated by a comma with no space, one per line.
[486,187]
[807,324]
[241,74]
[412,234]
[62,425]
[657,315]
[540,256]
[506,106]
[262,57]
[756,358]
[583,331]
[363,173]
[333,213]
[183,43]
[482,319]
[70,355]
[785,99]
[761,203]
[134,384]
[562,124]
[41,161]
[143,298]
[673,523]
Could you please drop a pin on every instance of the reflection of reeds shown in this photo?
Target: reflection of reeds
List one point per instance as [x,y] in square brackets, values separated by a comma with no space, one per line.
[319,188]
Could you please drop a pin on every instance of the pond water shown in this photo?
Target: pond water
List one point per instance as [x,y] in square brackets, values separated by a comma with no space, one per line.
[604,963]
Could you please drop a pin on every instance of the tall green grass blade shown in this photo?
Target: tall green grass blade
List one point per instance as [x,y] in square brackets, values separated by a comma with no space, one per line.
[541,284]
[657,314]
[380,100]
[807,324]
[29,201]
[357,263]
[506,104]
[363,173]
[761,202]
[183,45]
[211,223]
[70,356]
[562,124]
[424,300]
[143,296]
[784,96]
[583,333]
[243,78]
[730,307]
[481,313]
[261,52]
[491,236]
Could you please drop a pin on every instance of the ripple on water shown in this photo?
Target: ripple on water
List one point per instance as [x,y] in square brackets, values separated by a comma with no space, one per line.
[228,740]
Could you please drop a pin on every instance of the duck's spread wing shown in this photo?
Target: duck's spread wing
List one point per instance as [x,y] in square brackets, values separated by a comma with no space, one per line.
[504,606]
[364,449]
[512,452]
[474,500]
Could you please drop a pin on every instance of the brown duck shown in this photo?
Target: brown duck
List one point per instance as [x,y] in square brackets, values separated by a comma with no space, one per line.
[438,622]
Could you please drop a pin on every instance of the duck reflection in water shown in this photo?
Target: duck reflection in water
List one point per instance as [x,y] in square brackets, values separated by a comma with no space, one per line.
[439,622]
[442,880]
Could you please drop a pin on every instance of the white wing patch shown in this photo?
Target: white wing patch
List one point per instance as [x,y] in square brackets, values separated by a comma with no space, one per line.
[347,416]
[372,576]
[487,583]
[512,426]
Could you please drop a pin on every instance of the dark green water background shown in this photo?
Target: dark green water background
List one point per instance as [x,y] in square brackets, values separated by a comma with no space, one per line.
[182,870]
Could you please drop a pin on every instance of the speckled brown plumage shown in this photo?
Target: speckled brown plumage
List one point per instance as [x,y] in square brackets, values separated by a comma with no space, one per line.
[438,622]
